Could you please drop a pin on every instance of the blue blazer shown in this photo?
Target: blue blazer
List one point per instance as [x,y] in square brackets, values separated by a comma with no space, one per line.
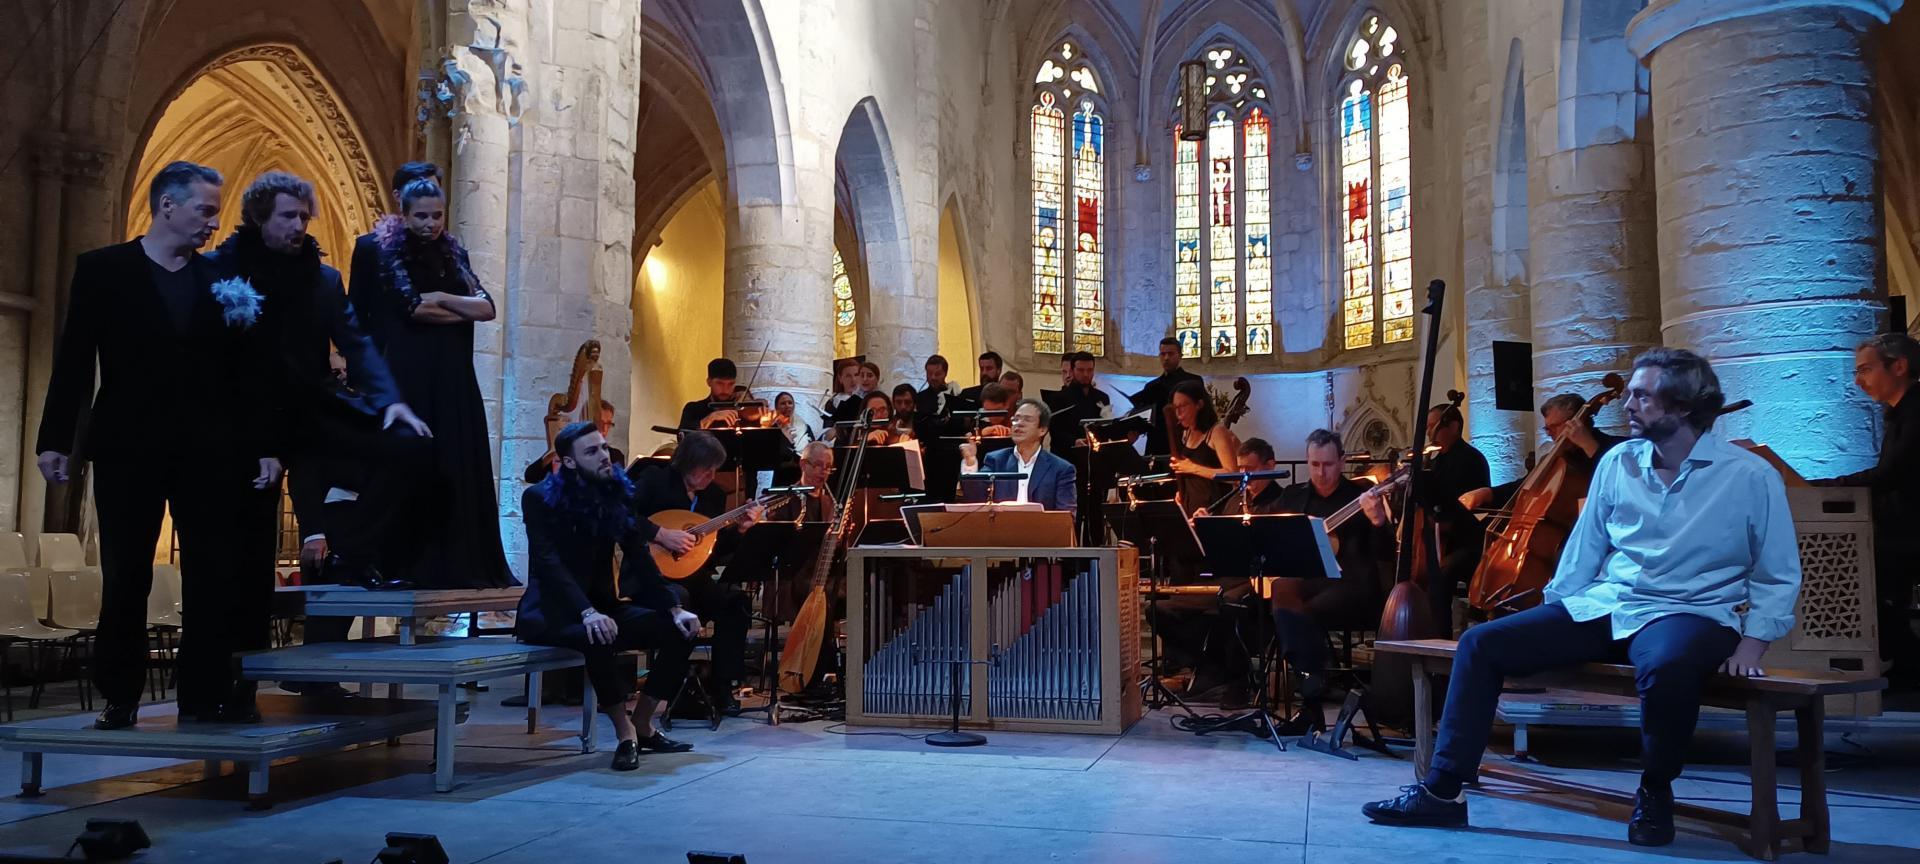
[1052,484]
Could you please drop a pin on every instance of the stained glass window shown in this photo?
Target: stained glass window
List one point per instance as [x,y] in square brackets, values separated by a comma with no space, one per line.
[1376,180]
[1223,298]
[846,337]
[1069,206]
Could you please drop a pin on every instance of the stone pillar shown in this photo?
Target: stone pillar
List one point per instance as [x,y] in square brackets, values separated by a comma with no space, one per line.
[1769,209]
[778,301]
[480,176]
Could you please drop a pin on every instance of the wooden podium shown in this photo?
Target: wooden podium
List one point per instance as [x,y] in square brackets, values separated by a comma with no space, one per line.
[1063,623]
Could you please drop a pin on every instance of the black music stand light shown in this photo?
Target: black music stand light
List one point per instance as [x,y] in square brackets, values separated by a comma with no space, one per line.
[1161,528]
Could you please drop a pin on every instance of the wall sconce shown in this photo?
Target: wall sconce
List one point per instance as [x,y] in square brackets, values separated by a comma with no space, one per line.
[1193,101]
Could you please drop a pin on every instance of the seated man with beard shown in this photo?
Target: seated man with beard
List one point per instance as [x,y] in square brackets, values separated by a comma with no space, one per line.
[574,518]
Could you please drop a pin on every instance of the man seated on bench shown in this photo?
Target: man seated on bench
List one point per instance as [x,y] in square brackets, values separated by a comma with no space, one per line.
[574,517]
[1680,530]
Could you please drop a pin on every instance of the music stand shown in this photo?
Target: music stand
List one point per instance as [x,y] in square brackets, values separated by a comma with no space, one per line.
[998,525]
[1151,525]
[773,551]
[750,450]
[1243,547]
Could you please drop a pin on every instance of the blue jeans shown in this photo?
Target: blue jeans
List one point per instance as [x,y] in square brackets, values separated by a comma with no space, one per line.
[1672,657]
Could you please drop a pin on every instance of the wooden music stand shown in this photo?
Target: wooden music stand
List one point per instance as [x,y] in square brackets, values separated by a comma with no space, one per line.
[1787,473]
[992,526]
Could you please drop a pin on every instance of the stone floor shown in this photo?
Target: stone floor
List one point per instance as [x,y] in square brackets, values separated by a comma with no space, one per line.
[805,793]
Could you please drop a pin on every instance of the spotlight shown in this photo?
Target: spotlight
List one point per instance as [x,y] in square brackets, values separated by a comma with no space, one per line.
[111,839]
[412,849]
[716,858]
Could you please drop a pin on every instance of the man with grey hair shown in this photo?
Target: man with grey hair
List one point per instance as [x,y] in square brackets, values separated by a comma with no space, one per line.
[1683,563]
[1558,414]
[175,425]
[1885,368]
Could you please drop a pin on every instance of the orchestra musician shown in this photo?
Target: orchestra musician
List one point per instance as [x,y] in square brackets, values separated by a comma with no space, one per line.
[886,430]
[1682,534]
[816,470]
[1556,413]
[1158,392]
[1049,479]
[685,482]
[1016,385]
[1304,609]
[574,517]
[1205,447]
[1456,470]
[1885,368]
[701,413]
[799,432]
[1201,631]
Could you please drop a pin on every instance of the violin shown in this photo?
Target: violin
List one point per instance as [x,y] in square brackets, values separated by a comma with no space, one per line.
[1527,537]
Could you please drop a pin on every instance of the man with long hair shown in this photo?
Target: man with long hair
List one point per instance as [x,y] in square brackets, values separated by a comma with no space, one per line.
[575,517]
[1683,563]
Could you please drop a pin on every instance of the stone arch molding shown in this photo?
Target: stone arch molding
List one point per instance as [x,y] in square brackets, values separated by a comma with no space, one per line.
[327,133]
[865,158]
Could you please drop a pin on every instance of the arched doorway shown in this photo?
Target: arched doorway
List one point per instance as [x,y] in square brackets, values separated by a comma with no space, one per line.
[261,108]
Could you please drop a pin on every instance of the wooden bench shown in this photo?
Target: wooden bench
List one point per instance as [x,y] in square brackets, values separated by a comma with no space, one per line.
[1803,693]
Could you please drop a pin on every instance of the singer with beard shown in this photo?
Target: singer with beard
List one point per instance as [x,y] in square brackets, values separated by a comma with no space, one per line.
[574,519]
[1684,563]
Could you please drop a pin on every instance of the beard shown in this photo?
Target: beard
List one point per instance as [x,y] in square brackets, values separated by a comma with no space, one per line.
[1657,430]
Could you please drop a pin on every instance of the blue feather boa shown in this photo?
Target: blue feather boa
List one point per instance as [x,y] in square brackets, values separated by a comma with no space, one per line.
[603,510]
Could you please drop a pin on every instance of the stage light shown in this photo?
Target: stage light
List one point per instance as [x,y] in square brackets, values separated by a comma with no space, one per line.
[412,849]
[111,839]
[716,858]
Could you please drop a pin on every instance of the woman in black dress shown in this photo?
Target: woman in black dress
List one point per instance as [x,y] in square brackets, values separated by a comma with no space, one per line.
[421,315]
[1202,449]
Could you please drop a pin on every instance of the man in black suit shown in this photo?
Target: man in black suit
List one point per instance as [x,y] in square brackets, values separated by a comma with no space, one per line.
[574,519]
[346,442]
[1158,393]
[991,368]
[177,423]
[685,482]
[365,272]
[935,404]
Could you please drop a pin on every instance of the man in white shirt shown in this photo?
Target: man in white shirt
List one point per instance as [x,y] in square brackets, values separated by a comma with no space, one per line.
[1680,532]
[1046,479]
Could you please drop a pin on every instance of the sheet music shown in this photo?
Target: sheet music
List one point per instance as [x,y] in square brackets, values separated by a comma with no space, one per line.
[916,473]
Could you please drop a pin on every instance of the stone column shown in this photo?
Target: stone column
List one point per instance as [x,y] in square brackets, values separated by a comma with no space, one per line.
[1769,209]
[481,195]
[778,300]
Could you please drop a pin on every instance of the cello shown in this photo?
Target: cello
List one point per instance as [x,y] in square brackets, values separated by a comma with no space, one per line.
[1527,537]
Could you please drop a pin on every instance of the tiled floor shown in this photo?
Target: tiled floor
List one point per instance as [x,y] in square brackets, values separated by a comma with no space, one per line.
[801,793]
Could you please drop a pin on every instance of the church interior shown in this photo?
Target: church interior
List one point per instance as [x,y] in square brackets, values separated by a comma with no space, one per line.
[1332,214]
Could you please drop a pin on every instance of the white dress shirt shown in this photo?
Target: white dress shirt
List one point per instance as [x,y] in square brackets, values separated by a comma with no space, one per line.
[1026,471]
[1718,539]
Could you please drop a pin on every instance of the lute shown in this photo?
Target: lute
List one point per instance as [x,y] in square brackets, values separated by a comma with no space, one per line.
[705,532]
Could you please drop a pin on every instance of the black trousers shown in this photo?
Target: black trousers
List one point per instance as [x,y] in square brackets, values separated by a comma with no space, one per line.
[226,598]
[1304,608]
[640,629]
[731,611]
[1671,656]
[1203,631]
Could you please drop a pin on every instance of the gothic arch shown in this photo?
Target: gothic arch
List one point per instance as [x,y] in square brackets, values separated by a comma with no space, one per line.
[734,55]
[865,158]
[257,108]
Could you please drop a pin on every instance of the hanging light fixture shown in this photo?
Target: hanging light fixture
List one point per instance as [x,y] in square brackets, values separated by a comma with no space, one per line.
[1193,100]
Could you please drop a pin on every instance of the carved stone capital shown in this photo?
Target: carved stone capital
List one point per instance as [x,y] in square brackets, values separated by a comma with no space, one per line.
[1664,20]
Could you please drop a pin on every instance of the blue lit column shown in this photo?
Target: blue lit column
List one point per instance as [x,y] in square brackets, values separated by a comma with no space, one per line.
[1768,209]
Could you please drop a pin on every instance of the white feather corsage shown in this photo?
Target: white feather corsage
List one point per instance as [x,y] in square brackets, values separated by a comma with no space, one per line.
[238,299]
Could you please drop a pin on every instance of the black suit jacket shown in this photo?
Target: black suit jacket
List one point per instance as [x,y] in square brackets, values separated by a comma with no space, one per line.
[568,569]
[162,392]
[1158,393]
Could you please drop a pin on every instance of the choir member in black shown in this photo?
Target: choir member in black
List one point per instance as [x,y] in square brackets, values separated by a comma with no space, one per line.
[685,482]
[1305,608]
[1016,385]
[421,312]
[1076,401]
[1587,444]
[1203,631]
[846,379]
[177,424]
[798,430]
[1158,392]
[991,366]
[331,428]
[1205,447]
[936,403]
[1885,368]
[575,517]
[906,409]
[866,378]
[702,413]
[1456,470]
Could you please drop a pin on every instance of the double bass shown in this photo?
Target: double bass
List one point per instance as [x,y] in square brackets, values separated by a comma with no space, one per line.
[1407,614]
[1526,539]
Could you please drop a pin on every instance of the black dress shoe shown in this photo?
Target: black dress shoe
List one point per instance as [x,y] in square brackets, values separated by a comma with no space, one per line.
[627,756]
[659,743]
[1417,806]
[118,716]
[320,690]
[1652,822]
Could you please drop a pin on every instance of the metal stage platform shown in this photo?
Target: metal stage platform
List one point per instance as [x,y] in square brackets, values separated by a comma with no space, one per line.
[407,606]
[291,727]
[445,663]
